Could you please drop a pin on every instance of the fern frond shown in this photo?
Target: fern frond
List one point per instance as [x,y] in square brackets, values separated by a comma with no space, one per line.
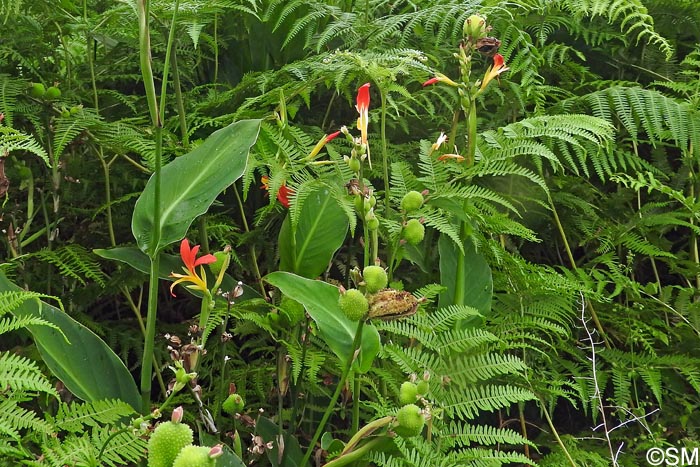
[74,261]
[13,140]
[22,374]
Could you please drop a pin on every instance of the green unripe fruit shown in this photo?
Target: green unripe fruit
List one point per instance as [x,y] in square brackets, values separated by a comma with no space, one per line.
[293,310]
[354,304]
[52,93]
[194,456]
[413,232]
[233,404]
[65,113]
[423,387]
[408,393]
[410,420]
[354,164]
[475,27]
[412,201]
[166,442]
[375,278]
[37,90]
[75,109]
[373,223]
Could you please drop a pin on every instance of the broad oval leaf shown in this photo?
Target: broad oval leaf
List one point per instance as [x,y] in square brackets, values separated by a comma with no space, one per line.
[320,231]
[467,276]
[84,362]
[321,302]
[191,183]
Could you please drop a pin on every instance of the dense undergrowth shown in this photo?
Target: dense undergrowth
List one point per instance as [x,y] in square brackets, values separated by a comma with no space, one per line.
[523,171]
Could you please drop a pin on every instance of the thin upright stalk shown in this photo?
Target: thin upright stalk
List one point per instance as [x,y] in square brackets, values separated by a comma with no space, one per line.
[385,155]
[334,398]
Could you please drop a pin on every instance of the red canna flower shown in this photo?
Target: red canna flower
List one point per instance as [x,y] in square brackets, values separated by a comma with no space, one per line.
[363,109]
[321,143]
[439,78]
[431,81]
[332,136]
[496,69]
[189,258]
[283,193]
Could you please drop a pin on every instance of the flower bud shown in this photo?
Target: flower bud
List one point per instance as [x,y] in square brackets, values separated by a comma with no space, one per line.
[475,27]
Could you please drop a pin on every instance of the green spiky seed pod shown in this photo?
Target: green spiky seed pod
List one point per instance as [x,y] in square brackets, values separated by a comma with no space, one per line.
[410,421]
[194,456]
[37,90]
[412,201]
[423,387]
[408,393]
[413,232]
[375,278]
[52,93]
[166,442]
[233,404]
[293,310]
[354,304]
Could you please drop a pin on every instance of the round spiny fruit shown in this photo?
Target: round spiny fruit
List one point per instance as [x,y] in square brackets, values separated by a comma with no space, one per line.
[354,304]
[233,404]
[166,442]
[293,310]
[375,278]
[408,393]
[37,90]
[423,387]
[410,420]
[194,456]
[413,232]
[412,201]
[52,93]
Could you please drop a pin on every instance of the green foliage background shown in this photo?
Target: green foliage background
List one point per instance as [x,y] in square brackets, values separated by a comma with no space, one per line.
[583,203]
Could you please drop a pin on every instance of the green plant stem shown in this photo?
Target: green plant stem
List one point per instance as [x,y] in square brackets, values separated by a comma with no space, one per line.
[216,48]
[366,431]
[166,65]
[355,455]
[108,195]
[135,308]
[253,254]
[334,398]
[556,435]
[149,339]
[570,256]
[142,9]
[180,101]
[385,156]
[90,43]
[355,405]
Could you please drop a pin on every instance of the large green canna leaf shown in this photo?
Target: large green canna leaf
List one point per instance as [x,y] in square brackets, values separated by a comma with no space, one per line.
[467,276]
[84,362]
[321,302]
[320,231]
[191,183]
